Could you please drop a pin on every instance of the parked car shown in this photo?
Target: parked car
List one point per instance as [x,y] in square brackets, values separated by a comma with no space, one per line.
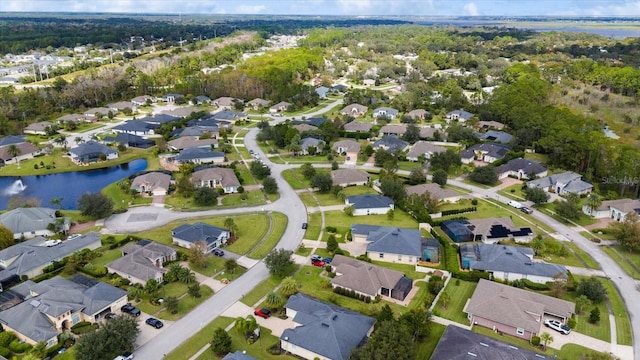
[218,252]
[305,225]
[557,326]
[110,316]
[315,257]
[318,263]
[125,356]
[327,260]
[154,322]
[130,309]
[526,210]
[262,312]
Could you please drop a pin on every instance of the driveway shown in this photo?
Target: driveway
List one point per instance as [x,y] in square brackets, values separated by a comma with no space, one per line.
[575,338]
[148,332]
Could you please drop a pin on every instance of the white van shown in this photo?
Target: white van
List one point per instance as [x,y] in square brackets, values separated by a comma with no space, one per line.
[515,204]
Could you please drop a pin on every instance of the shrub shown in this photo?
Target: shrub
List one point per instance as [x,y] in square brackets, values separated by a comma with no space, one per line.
[474,202]
[5,352]
[6,338]
[534,286]
[81,324]
[571,323]
[535,340]
[331,229]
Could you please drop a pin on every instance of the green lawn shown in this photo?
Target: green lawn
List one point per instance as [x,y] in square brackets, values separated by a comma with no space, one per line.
[295,179]
[622,261]
[458,294]
[213,265]
[106,257]
[253,198]
[537,157]
[308,199]
[196,342]
[230,276]
[258,292]
[521,343]
[408,270]
[421,296]
[343,222]
[623,325]
[592,264]
[517,193]
[600,331]
[123,199]
[248,237]
[258,349]
[549,209]
[314,226]
[425,349]
[245,174]
[278,226]
[187,303]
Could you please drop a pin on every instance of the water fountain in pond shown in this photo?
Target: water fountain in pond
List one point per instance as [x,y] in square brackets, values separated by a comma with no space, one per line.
[16,188]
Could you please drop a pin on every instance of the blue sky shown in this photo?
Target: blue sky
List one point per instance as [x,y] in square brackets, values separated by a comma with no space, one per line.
[340,7]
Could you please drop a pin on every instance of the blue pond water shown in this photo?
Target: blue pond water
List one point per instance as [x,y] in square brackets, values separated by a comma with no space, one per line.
[68,186]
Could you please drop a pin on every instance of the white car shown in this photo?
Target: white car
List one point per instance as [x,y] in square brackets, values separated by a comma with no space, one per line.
[557,326]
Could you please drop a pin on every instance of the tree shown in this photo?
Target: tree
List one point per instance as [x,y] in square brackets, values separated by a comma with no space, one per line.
[385,314]
[95,205]
[13,150]
[390,340]
[593,202]
[558,285]
[592,288]
[332,244]
[308,171]
[348,210]
[221,342]
[417,321]
[57,202]
[594,316]
[186,276]
[445,298]
[270,185]
[382,156]
[273,300]
[546,338]
[184,186]
[171,303]
[205,196]
[322,181]
[445,160]
[535,194]
[334,165]
[6,237]
[152,287]
[417,176]
[279,262]
[412,134]
[393,188]
[627,231]
[391,214]
[173,272]
[197,254]
[568,209]
[440,177]
[62,141]
[582,302]
[259,170]
[289,286]
[484,175]
[230,265]
[231,225]
[194,290]
[247,325]
[110,340]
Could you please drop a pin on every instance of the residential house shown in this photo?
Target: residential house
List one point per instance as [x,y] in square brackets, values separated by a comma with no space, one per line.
[29,222]
[430,132]
[28,258]
[53,306]
[200,131]
[210,122]
[258,103]
[172,98]
[225,102]
[24,151]
[158,119]
[514,311]
[370,204]
[424,149]
[198,155]
[185,142]
[358,126]
[130,140]
[155,183]
[613,209]
[38,128]
[340,88]
[201,100]
[309,143]
[12,139]
[315,121]
[488,231]
[120,106]
[322,330]
[350,148]
[393,129]
[217,178]
[238,355]
[490,125]
[228,116]
[389,244]
[496,136]
[74,118]
[390,143]
[143,261]
[436,191]
[354,110]
[459,116]
[136,127]
[304,127]
[564,183]
[349,177]
[91,151]
[418,114]
[186,235]
[461,344]
[523,169]
[279,107]
[143,100]
[486,152]
[177,113]
[322,92]
[508,263]
[96,113]
[369,82]
[385,112]
[369,280]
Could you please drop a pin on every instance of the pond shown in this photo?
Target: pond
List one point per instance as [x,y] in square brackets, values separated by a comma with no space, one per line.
[68,186]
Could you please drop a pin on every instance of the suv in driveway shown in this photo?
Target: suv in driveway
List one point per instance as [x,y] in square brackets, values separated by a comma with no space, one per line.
[262,312]
[557,326]
[218,252]
[130,309]
[154,322]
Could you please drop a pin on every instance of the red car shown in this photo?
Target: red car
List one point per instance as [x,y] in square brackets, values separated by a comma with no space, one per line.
[263,313]
[318,263]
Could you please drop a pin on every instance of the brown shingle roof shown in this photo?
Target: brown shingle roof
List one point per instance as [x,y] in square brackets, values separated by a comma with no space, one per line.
[347,176]
[433,189]
[363,276]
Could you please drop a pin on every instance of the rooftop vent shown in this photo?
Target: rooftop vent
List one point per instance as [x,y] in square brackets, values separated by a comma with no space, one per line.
[334,317]
[325,325]
[35,303]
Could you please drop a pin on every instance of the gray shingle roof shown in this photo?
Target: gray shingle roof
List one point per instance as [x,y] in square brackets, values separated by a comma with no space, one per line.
[392,240]
[424,148]
[433,189]
[528,166]
[327,330]
[368,201]
[198,232]
[491,149]
[573,182]
[12,139]
[511,259]
[23,149]
[198,153]
[497,136]
[347,176]
[238,355]
[391,142]
[26,220]
[358,126]
[152,180]
[346,145]
[91,147]
[309,141]
[134,125]
[139,260]
[226,176]
[198,130]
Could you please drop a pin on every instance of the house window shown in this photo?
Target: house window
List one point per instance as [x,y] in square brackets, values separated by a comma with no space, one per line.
[75,319]
[506,276]
[381,255]
[399,257]
[520,331]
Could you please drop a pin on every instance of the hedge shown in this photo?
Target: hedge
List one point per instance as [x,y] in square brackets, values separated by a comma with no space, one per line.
[439,222]
[459,211]
[534,286]
[4,352]
[47,276]
[80,325]
[352,294]
[19,347]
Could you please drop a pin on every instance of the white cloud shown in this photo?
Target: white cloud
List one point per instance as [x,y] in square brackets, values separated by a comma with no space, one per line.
[470,9]
[249,9]
[357,6]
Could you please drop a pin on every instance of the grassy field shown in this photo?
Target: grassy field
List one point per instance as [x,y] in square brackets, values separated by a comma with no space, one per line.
[248,238]
[622,261]
[314,226]
[278,226]
[252,297]
[291,177]
[213,264]
[253,198]
[602,330]
[187,303]
[513,192]
[425,349]
[308,199]
[343,222]
[200,339]
[592,264]
[623,325]
[458,294]
[106,257]
[124,199]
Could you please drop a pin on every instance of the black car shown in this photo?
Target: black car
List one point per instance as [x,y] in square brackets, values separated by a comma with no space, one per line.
[526,210]
[154,322]
[218,252]
[130,309]
[110,316]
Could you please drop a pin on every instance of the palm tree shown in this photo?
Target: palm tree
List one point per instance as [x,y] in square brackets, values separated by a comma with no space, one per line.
[289,286]
[546,339]
[173,272]
[231,225]
[187,276]
[134,292]
[593,202]
[79,140]
[56,202]
[13,151]
[445,298]
[62,141]
[273,300]
[245,325]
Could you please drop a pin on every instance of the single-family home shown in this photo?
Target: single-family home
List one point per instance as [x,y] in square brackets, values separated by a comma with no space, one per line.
[143,100]
[228,116]
[613,209]
[424,149]
[513,311]
[225,102]
[436,191]
[53,306]
[73,118]
[432,132]
[177,113]
[279,107]
[457,344]
[368,279]
[488,231]
[459,116]
[393,129]
[340,88]
[322,330]
[490,125]
[370,204]
[143,261]
[350,148]
[523,169]
[354,110]
[386,112]
[358,127]
[216,178]
[418,114]
[96,113]
[389,244]
[304,127]
[38,128]
[564,183]
[486,152]
[496,136]
[200,131]
[198,155]
[28,258]
[349,177]
[201,100]
[130,140]
[12,139]
[186,235]
[172,98]
[29,222]
[322,92]
[309,143]
[120,106]
[158,119]
[391,143]
[508,263]
[185,142]
[23,151]
[91,151]
[258,103]
[136,127]
[238,355]
[155,183]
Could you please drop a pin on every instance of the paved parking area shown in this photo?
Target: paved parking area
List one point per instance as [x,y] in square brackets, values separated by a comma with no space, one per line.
[147,332]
